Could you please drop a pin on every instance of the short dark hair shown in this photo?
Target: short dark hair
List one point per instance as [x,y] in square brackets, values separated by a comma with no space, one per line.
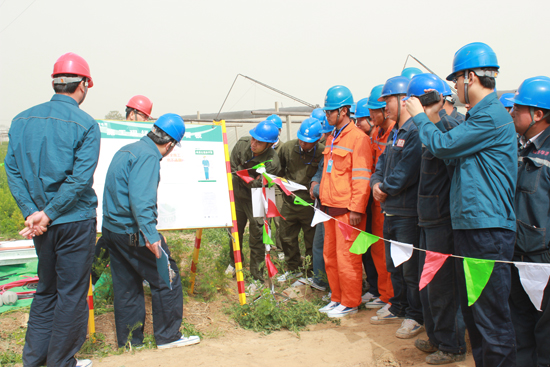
[68,88]
[128,110]
[158,136]
[487,81]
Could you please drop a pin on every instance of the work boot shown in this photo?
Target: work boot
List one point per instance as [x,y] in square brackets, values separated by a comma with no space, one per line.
[425,345]
[409,328]
[441,357]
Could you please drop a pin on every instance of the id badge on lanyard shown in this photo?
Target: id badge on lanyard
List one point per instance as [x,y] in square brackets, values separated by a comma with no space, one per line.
[335,135]
[329,166]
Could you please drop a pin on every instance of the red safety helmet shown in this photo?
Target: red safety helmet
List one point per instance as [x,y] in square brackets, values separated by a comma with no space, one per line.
[71,63]
[142,104]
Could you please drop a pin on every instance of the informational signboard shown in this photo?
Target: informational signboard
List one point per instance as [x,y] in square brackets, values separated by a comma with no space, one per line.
[193,191]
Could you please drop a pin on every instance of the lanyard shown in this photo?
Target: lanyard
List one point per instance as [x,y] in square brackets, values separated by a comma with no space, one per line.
[394,138]
[303,156]
[336,134]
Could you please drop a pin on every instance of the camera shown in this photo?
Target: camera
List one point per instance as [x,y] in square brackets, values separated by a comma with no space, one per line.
[429,98]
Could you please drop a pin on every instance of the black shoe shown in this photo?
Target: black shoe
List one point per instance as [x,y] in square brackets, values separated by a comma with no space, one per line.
[425,346]
[441,357]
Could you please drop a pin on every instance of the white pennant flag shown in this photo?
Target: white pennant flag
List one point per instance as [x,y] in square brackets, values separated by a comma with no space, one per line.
[400,252]
[534,278]
[290,185]
[319,215]
[259,203]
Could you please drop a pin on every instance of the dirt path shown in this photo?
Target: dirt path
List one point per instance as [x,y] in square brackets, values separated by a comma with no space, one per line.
[353,343]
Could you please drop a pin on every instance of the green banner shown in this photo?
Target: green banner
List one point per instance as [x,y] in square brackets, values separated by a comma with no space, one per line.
[477,273]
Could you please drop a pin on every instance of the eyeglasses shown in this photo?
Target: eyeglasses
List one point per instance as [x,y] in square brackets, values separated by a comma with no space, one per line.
[455,79]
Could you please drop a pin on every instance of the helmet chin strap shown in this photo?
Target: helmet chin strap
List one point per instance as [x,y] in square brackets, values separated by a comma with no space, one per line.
[398,108]
[532,113]
[466,81]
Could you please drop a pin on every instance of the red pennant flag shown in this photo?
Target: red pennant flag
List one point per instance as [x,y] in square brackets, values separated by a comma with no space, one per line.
[244,175]
[282,186]
[347,230]
[271,269]
[434,261]
[272,210]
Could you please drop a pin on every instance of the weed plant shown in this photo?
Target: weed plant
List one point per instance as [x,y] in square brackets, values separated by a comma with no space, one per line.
[11,219]
[267,314]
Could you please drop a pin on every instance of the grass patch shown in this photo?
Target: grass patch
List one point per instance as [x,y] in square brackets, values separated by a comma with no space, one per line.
[267,314]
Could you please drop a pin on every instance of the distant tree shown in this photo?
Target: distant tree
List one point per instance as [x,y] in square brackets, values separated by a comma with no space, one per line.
[114,115]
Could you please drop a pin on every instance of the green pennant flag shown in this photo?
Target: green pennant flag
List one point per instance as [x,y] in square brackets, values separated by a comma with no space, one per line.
[1,164]
[261,164]
[300,201]
[477,273]
[267,239]
[362,243]
[268,179]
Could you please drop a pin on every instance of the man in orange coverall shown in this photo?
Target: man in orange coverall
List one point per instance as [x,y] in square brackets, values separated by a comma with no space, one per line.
[344,194]
[379,136]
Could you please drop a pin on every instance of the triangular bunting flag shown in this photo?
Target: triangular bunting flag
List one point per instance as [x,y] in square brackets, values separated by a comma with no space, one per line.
[261,164]
[319,217]
[534,279]
[267,239]
[400,252]
[362,243]
[477,273]
[271,269]
[299,201]
[272,210]
[347,230]
[244,175]
[289,185]
[434,261]
[281,186]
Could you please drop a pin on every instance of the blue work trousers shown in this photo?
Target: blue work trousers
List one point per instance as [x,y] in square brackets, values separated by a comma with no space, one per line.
[440,299]
[130,265]
[404,278]
[320,275]
[58,319]
[488,320]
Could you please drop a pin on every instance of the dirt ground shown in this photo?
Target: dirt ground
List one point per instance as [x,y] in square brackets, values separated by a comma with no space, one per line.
[355,342]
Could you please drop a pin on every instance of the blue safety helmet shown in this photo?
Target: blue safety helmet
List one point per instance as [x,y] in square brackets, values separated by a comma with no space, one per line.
[352,109]
[446,89]
[320,115]
[421,82]
[172,125]
[362,109]
[265,131]
[411,72]
[310,130]
[474,56]
[338,96]
[394,86]
[533,92]
[505,99]
[375,93]
[276,120]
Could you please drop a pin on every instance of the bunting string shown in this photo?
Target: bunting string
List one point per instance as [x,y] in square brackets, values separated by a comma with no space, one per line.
[477,271]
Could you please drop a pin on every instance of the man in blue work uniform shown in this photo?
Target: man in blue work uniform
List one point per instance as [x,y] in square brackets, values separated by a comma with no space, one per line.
[531,114]
[395,185]
[129,230]
[440,300]
[50,164]
[482,195]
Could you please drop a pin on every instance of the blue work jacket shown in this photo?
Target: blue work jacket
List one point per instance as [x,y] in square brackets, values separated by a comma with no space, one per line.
[130,195]
[485,149]
[533,201]
[435,180]
[398,170]
[51,159]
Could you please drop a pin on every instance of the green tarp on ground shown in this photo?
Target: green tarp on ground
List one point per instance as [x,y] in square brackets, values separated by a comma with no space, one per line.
[21,271]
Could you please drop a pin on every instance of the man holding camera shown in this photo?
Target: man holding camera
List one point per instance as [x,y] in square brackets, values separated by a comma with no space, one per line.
[482,195]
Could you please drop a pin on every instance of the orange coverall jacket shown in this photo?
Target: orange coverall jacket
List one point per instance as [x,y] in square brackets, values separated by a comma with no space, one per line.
[347,185]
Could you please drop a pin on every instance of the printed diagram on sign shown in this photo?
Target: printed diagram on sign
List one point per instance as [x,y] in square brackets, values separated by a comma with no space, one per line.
[205,157]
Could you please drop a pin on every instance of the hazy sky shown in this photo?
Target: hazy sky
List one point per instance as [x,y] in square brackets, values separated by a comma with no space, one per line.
[184,55]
